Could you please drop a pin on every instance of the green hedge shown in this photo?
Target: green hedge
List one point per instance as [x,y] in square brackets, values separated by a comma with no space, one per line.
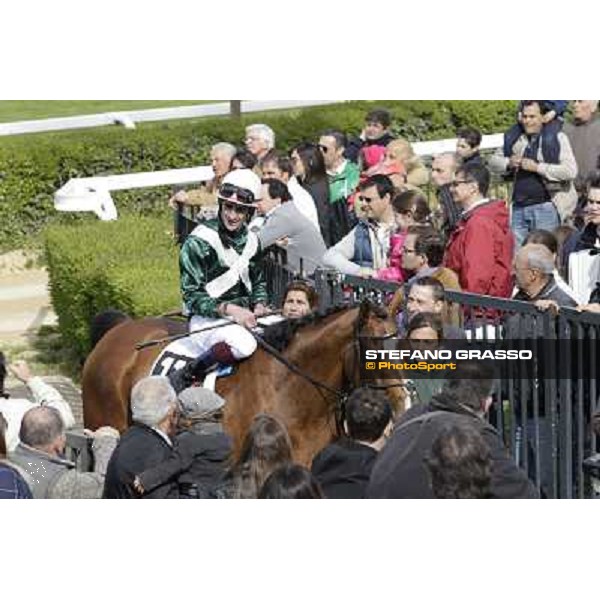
[129,264]
[34,166]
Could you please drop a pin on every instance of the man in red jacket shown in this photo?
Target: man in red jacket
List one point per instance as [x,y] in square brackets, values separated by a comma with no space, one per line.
[480,249]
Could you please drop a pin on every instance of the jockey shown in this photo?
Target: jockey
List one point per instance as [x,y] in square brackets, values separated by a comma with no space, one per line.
[221,276]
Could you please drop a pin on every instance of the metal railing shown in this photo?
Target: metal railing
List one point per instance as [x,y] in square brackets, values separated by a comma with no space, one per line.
[128,118]
[543,411]
[93,194]
[79,450]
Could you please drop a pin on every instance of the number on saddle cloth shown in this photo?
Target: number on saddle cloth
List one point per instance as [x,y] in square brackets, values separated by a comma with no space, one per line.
[168,362]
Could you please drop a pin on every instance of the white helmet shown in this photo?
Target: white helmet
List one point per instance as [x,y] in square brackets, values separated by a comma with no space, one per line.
[242,179]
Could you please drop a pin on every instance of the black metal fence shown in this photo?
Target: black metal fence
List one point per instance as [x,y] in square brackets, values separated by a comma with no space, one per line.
[79,450]
[544,415]
[545,418]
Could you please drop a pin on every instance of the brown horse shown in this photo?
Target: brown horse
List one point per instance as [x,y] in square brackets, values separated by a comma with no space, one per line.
[323,349]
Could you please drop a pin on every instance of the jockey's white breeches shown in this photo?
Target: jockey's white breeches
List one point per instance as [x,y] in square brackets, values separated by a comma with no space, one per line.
[241,341]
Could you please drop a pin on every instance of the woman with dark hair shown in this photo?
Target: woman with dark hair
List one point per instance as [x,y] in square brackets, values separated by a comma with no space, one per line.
[410,209]
[425,327]
[291,482]
[243,159]
[266,447]
[12,483]
[309,168]
[300,300]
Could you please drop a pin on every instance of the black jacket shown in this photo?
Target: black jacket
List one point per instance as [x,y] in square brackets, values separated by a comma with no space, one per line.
[197,463]
[319,191]
[343,468]
[139,448]
[400,471]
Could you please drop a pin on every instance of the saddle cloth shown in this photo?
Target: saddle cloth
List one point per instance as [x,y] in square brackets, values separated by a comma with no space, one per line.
[177,355]
[181,352]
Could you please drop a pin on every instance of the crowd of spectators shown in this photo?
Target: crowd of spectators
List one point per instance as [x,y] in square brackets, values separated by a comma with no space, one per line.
[368,197]
[366,206]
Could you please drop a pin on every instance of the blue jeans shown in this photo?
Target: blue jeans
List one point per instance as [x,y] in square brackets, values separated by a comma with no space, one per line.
[528,218]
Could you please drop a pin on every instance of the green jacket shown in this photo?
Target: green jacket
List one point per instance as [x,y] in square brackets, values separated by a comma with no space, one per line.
[342,185]
[200,264]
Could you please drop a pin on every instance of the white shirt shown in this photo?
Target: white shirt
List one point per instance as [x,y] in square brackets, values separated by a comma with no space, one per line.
[163,435]
[339,169]
[340,256]
[13,409]
[475,205]
[303,201]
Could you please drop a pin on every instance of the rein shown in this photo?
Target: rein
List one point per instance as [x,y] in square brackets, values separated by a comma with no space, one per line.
[340,394]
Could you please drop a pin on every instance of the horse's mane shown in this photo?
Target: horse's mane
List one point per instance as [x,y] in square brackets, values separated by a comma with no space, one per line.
[280,335]
[103,322]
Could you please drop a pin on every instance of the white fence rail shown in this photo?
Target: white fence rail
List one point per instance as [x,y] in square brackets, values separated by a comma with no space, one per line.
[92,194]
[129,118]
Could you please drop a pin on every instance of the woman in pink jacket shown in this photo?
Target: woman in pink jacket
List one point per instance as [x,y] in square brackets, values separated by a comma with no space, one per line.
[410,208]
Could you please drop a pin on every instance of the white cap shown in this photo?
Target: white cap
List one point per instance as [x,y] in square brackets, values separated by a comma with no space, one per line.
[246,179]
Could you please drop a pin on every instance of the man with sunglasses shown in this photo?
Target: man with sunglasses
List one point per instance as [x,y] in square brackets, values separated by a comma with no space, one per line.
[365,249]
[481,247]
[343,176]
[222,277]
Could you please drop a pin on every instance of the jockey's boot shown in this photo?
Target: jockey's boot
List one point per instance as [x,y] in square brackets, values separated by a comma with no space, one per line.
[194,372]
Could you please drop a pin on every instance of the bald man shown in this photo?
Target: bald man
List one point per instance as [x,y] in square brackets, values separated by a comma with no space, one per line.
[533,267]
[443,169]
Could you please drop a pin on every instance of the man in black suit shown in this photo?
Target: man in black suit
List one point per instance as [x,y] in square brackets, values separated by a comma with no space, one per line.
[147,443]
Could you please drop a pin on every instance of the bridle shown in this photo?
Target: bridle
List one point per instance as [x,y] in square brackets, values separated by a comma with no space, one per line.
[341,395]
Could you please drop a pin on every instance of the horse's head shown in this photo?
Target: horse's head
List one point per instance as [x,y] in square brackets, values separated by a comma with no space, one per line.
[376,329]
[374,321]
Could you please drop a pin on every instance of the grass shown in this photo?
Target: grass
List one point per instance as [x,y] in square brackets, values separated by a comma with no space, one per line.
[25,110]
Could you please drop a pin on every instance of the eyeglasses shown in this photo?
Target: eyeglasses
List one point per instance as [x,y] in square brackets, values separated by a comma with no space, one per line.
[406,250]
[229,191]
[457,182]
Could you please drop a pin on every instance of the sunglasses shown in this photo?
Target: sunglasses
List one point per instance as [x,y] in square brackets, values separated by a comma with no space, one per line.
[228,191]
